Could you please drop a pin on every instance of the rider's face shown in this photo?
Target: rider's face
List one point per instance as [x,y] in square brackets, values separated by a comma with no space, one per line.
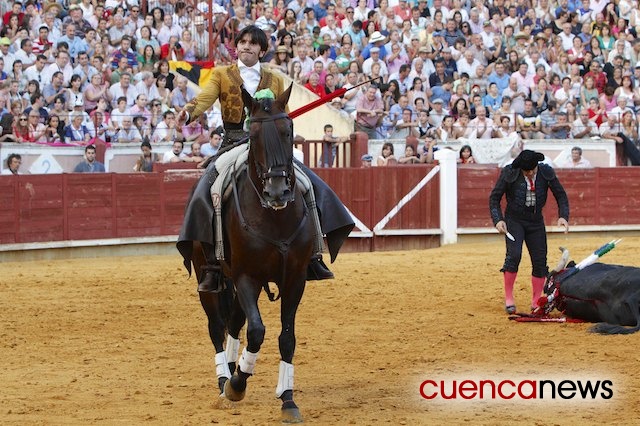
[249,53]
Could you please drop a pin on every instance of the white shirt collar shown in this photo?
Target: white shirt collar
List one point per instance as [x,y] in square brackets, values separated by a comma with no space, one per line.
[250,77]
[255,67]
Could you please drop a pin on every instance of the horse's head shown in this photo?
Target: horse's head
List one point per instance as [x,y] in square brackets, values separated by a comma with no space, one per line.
[271,152]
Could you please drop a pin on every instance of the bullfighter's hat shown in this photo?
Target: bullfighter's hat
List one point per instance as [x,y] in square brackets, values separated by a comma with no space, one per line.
[527,160]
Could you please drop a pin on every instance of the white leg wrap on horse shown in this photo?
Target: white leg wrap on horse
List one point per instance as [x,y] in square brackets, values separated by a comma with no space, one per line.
[285,378]
[231,349]
[248,361]
[222,366]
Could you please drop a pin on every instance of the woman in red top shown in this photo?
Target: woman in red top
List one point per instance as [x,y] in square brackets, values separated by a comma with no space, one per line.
[597,114]
[21,129]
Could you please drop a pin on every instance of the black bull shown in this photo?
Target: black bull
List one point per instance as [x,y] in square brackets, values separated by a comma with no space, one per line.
[606,294]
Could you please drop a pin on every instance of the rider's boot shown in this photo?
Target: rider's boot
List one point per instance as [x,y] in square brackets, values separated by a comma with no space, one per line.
[317,270]
[212,278]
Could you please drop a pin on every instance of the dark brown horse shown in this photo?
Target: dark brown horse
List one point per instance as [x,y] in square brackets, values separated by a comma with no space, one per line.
[268,237]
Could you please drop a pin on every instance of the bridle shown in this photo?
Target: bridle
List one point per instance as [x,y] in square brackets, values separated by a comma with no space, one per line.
[265,173]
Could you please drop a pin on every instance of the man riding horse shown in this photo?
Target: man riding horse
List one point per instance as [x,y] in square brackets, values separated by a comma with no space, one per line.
[225,85]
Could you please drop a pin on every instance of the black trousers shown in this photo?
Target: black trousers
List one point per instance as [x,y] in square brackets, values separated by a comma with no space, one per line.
[534,235]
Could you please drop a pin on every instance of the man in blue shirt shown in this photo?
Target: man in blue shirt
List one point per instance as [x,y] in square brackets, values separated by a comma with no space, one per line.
[76,44]
[499,76]
[89,165]
[443,92]
[452,33]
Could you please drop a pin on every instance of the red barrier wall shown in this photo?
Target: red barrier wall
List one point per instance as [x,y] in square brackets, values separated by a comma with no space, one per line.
[40,208]
[601,196]
[91,206]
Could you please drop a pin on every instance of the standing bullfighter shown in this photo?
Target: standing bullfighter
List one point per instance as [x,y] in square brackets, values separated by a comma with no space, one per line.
[526,182]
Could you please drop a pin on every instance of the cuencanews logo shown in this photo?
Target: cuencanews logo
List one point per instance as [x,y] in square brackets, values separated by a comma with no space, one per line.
[514,390]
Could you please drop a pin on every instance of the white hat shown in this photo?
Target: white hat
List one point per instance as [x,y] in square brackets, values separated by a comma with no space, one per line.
[217,9]
[376,36]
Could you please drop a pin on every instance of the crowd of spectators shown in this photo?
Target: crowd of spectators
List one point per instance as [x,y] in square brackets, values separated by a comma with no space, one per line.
[478,69]
[78,72]
[75,71]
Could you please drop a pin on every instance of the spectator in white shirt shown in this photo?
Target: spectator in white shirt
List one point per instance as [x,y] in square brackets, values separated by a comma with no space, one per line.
[168,29]
[583,127]
[482,125]
[124,88]
[576,161]
[36,71]
[176,154]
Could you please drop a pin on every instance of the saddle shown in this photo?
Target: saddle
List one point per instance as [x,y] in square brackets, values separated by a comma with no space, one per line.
[230,165]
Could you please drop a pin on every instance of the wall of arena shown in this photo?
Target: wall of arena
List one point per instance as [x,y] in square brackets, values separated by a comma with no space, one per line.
[395,207]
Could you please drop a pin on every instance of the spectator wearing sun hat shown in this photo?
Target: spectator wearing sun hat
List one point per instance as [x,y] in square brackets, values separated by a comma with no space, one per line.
[376,40]
[75,17]
[7,56]
[366,161]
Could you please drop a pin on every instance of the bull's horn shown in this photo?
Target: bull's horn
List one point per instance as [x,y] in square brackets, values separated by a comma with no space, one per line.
[563,261]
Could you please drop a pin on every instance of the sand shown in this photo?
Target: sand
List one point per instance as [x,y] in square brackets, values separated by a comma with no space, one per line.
[124,341]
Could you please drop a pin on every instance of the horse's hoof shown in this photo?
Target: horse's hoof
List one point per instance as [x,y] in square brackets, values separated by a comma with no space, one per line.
[222,403]
[291,415]
[231,394]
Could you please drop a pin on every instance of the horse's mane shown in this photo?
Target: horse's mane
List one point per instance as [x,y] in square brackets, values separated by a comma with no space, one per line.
[278,154]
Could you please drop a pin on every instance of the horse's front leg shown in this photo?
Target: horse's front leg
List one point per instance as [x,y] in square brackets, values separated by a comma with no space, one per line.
[211,304]
[247,293]
[235,324]
[291,296]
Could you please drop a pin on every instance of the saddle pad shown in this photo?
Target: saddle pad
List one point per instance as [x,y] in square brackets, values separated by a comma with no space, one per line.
[236,158]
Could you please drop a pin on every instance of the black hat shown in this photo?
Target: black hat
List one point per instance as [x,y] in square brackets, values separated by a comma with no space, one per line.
[527,160]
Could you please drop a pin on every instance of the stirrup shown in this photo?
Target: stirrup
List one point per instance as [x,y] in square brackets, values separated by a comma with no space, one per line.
[212,280]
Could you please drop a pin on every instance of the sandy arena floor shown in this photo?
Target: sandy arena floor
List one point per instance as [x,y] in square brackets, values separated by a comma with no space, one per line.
[124,341]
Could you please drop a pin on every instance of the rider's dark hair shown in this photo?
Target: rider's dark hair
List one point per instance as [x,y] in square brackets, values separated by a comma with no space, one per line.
[257,36]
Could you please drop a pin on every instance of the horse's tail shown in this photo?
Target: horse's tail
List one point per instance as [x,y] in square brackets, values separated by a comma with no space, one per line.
[606,328]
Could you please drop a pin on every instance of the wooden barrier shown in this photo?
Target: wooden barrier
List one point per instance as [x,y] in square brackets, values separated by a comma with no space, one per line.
[597,197]
[41,208]
[71,207]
